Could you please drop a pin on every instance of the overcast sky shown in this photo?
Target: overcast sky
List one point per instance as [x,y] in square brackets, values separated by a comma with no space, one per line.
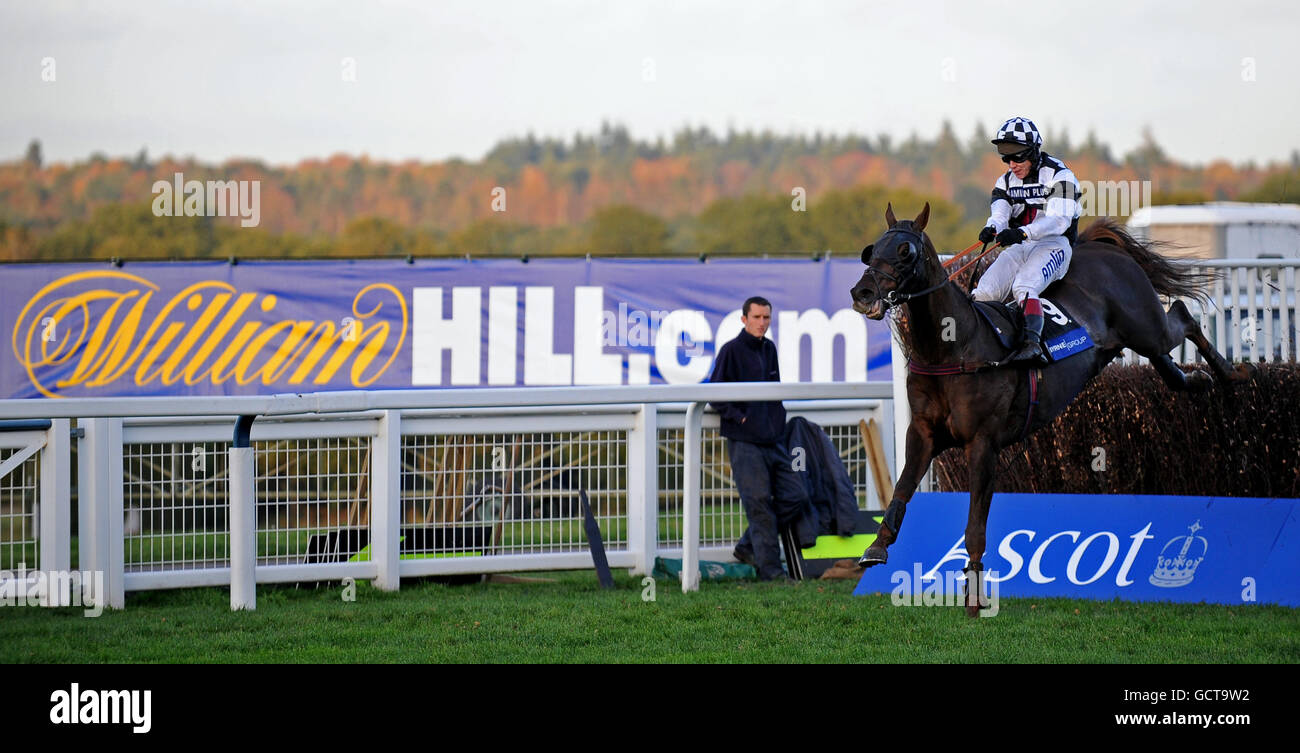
[435,80]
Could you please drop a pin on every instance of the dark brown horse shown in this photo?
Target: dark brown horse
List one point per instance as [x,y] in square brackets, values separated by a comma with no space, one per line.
[1112,289]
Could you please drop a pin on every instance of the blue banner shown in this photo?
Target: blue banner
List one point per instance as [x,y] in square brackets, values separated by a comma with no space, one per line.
[1222,550]
[211,328]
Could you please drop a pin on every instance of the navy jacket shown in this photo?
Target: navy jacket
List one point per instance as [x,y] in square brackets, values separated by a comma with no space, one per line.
[749,359]
[829,486]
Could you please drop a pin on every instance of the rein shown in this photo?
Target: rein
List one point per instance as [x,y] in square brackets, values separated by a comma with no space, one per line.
[954,259]
[896,297]
[967,265]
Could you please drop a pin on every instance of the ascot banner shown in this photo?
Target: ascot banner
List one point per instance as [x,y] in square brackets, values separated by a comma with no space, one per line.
[1220,550]
[211,328]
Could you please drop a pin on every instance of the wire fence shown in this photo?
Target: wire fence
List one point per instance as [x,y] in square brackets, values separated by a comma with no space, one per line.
[461,495]
[512,493]
[174,497]
[19,517]
[313,498]
[722,516]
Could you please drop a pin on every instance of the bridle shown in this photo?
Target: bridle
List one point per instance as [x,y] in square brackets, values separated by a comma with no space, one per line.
[910,254]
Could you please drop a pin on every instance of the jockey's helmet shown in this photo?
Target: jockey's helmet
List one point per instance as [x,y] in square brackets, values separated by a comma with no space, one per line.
[1018,131]
[1020,137]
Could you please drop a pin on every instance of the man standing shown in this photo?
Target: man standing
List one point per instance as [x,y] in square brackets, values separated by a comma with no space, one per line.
[769,488]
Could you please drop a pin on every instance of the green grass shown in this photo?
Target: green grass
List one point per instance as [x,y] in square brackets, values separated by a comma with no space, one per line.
[573,620]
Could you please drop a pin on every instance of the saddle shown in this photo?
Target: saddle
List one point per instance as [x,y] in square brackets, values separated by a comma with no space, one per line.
[1062,335]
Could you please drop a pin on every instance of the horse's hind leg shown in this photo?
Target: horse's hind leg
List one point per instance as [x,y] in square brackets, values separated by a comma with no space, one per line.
[1180,321]
[1177,379]
[1178,326]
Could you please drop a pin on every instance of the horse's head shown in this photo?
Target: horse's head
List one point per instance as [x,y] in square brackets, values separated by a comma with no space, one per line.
[899,263]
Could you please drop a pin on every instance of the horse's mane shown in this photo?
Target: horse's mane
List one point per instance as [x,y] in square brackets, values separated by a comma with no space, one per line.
[1167,277]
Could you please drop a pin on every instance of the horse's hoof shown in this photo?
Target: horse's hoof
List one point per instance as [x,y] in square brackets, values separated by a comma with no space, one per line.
[1199,381]
[972,611]
[873,556]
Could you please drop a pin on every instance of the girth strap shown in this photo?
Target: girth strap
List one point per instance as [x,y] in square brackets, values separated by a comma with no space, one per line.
[1033,400]
[975,367]
[949,369]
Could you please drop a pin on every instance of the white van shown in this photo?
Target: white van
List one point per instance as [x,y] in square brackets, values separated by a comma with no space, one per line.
[1222,230]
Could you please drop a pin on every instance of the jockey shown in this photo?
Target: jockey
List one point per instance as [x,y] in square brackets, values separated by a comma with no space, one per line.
[1035,218]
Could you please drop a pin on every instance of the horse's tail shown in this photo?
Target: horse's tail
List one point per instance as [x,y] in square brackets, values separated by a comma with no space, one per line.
[1167,277]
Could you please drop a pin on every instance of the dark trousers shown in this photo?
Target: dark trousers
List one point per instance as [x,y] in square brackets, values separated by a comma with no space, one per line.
[773,497]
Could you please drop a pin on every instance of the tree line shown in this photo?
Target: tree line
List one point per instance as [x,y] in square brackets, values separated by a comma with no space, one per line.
[605,194]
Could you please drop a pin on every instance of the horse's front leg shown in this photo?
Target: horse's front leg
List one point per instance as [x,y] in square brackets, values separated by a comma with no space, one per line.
[981,458]
[920,449]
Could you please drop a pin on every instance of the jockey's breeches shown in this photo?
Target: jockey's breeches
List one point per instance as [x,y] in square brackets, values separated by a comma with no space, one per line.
[1025,269]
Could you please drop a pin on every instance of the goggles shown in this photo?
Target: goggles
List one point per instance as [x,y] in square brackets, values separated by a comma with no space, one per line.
[1023,155]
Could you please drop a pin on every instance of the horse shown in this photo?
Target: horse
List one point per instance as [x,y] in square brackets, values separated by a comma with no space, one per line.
[961,395]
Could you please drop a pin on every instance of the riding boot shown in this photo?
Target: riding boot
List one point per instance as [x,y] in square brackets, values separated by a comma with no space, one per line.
[1031,344]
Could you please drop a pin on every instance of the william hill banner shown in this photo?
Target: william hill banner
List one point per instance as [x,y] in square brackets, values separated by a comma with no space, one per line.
[209,328]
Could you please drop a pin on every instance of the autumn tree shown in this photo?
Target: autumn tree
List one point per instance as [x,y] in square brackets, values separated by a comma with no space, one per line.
[623,230]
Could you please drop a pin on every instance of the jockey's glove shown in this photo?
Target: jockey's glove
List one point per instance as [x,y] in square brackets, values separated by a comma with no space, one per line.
[1011,236]
[987,235]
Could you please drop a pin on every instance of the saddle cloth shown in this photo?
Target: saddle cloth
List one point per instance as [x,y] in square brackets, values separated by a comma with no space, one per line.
[1062,335]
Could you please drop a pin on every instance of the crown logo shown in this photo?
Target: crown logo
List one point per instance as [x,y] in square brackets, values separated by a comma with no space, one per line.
[1177,563]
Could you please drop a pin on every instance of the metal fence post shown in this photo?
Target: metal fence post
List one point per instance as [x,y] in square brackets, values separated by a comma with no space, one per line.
[100,492]
[85,495]
[643,488]
[1252,317]
[691,498]
[243,519]
[1266,286]
[114,554]
[56,505]
[386,501]
[1220,339]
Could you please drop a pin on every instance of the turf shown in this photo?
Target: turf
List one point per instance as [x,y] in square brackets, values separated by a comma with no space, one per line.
[573,620]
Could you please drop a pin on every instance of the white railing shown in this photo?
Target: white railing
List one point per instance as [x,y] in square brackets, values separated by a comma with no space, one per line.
[1252,313]
[332,482]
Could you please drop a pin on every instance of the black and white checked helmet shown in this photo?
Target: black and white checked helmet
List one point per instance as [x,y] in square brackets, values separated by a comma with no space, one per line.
[1019,131]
